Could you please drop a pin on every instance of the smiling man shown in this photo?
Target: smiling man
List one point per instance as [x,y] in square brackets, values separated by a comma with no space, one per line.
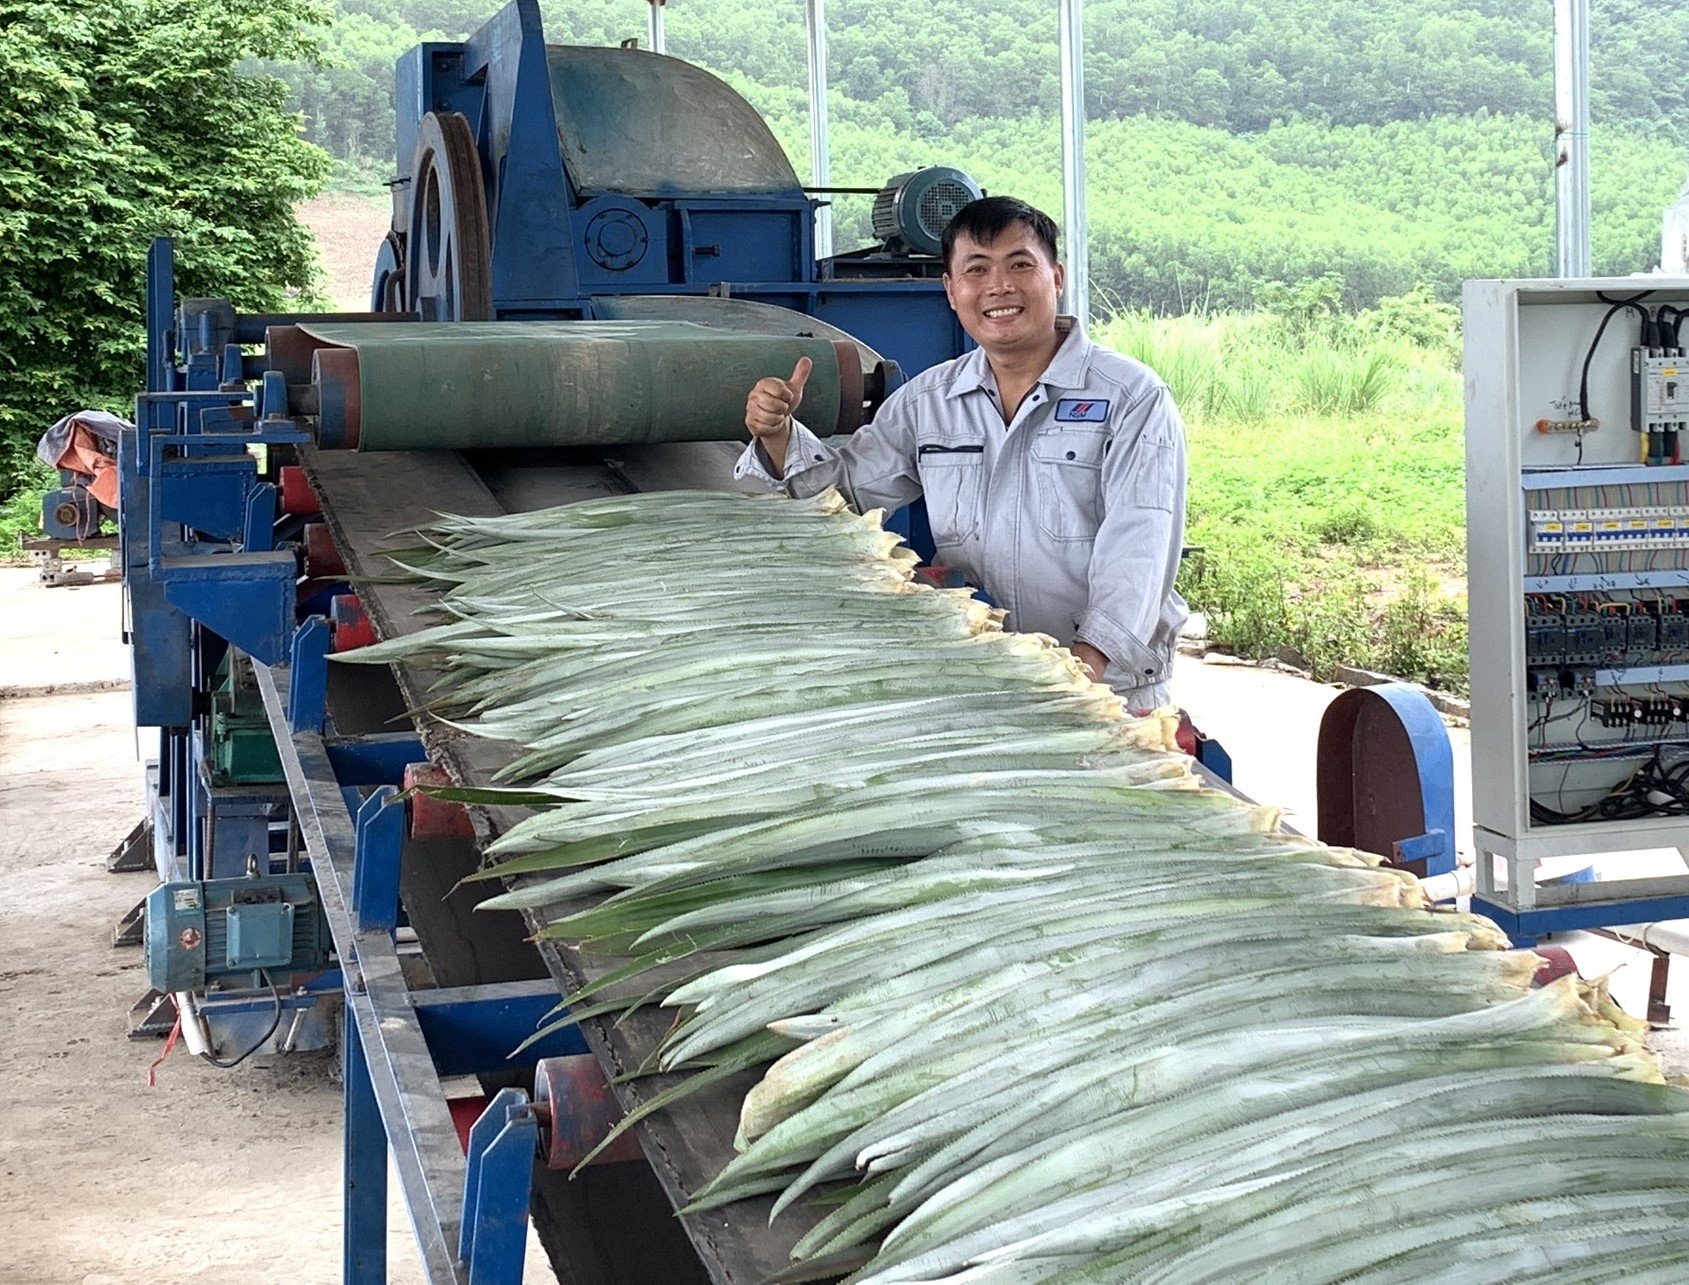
[1053,469]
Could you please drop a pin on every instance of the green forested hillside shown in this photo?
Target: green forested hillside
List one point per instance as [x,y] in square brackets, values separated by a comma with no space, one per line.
[1231,143]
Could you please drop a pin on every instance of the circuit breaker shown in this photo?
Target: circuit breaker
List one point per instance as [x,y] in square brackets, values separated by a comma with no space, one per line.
[1577,501]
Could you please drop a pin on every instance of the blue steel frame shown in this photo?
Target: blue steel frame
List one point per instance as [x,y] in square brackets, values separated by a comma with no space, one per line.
[500,81]
[470,1213]
[1525,927]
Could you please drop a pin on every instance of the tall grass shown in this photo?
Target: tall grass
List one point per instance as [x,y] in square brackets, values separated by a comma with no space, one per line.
[1327,483]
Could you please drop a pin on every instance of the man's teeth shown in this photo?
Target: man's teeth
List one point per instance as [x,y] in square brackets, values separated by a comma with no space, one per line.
[1001,312]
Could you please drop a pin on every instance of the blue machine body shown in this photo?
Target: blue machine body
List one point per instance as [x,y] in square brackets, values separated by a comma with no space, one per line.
[608,172]
[582,183]
[609,183]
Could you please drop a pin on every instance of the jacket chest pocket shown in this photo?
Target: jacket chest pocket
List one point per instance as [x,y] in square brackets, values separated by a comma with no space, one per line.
[1068,464]
[952,479]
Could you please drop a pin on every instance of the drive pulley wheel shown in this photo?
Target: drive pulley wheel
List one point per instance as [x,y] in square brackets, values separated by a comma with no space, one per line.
[449,271]
[387,290]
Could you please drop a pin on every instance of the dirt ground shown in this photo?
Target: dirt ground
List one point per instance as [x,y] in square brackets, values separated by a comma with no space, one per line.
[211,1176]
[349,229]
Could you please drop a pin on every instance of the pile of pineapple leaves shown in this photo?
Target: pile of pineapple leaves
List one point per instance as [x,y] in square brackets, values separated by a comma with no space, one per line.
[1040,1007]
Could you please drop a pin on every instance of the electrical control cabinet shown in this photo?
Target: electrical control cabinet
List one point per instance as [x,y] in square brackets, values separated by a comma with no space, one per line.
[1577,502]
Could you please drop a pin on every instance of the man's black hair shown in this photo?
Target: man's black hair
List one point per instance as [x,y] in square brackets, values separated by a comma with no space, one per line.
[989,217]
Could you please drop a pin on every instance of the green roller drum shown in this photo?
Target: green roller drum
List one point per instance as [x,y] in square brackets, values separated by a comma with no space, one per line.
[460,386]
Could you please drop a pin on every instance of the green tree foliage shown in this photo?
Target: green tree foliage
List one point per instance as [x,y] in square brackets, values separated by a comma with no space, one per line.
[120,121]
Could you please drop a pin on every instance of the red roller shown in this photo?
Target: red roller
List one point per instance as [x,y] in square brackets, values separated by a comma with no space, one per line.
[352,627]
[431,818]
[297,497]
[577,1110]
[322,559]
[1557,963]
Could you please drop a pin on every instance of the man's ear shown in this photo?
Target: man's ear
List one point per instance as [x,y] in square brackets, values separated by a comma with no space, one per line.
[1061,278]
[947,294]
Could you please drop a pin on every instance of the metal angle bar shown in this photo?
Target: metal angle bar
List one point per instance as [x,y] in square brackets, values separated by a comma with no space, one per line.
[1620,475]
[364,1168]
[421,1137]
[479,1028]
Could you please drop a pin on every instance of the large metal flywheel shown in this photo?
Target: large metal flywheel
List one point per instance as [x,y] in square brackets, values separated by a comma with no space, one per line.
[387,290]
[448,268]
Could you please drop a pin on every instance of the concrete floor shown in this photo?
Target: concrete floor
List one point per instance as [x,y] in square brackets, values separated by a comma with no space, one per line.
[215,1176]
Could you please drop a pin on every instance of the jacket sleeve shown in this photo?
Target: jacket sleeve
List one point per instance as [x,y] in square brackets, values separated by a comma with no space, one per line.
[874,469]
[1135,558]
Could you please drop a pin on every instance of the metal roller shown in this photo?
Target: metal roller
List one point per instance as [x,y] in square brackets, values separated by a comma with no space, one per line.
[423,386]
[577,1110]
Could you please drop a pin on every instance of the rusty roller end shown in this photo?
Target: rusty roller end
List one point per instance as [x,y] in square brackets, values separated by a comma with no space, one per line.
[851,390]
[577,1110]
[334,375]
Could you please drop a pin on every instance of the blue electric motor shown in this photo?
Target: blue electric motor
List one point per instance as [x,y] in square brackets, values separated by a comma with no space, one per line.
[233,931]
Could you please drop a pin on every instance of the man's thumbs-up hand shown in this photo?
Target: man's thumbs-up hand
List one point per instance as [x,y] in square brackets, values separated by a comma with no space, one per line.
[768,409]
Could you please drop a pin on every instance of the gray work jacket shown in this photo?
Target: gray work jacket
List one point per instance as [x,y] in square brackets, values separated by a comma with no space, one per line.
[1071,517]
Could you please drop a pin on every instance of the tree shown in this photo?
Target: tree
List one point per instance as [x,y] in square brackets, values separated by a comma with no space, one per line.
[122,120]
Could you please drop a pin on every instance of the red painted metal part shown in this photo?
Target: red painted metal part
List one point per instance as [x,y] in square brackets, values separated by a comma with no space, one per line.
[352,627]
[940,577]
[1557,963]
[322,559]
[297,497]
[432,818]
[465,1112]
[576,1110]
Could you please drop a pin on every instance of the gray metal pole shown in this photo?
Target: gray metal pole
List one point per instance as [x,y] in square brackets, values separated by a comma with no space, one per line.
[1571,124]
[655,30]
[820,159]
[1076,298]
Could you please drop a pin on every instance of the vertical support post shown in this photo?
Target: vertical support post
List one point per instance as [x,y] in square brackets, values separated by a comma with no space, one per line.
[654,28]
[307,697]
[375,870]
[820,155]
[364,1234]
[1076,296]
[1571,127]
[502,1147]
[161,305]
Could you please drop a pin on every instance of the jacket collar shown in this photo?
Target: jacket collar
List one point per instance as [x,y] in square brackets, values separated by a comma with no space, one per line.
[1066,369]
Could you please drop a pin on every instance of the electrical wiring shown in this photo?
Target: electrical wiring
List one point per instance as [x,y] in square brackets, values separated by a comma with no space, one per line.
[275,1025]
[1619,305]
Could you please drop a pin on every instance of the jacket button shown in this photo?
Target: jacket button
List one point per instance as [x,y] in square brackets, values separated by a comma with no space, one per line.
[1070,455]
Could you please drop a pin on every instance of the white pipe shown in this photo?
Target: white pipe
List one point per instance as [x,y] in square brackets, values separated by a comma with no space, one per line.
[1458,882]
[654,27]
[194,1034]
[1076,296]
[1671,935]
[820,159]
[1571,124]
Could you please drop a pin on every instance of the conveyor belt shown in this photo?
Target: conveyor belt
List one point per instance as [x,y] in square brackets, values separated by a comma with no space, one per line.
[365,502]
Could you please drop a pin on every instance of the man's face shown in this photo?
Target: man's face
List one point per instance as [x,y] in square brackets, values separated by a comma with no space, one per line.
[1005,293]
